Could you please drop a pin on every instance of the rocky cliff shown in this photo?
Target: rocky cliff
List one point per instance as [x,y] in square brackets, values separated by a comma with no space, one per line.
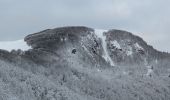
[81,63]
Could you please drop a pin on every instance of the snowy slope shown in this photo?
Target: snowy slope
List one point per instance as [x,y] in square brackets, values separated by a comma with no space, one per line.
[14,45]
[100,34]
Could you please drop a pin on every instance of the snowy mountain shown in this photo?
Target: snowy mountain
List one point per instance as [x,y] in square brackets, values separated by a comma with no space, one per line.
[81,63]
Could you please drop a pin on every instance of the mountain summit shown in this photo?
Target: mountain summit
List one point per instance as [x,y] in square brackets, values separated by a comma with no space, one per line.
[114,46]
[81,63]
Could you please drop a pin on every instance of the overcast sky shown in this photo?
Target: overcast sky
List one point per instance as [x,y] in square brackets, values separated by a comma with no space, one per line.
[149,19]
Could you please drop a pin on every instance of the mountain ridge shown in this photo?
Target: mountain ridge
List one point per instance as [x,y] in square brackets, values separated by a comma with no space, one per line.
[74,63]
[113,33]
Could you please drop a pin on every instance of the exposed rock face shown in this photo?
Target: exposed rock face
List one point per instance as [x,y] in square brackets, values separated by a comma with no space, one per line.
[126,48]
[123,47]
[75,63]
[50,37]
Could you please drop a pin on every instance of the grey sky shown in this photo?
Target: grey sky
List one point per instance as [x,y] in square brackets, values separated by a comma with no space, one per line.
[149,19]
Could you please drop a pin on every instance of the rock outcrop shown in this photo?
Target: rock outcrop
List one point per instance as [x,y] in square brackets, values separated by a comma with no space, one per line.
[81,63]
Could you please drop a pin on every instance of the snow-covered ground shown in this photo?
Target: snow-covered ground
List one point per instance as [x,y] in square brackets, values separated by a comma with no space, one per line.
[116,44]
[14,45]
[100,34]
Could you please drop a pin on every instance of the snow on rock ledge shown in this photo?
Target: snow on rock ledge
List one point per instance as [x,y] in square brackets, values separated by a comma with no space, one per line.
[100,34]
[138,46]
[116,44]
[14,45]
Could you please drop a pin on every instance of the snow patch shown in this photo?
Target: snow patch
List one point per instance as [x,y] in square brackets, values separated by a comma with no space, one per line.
[14,45]
[129,51]
[138,46]
[116,44]
[156,61]
[100,34]
[150,70]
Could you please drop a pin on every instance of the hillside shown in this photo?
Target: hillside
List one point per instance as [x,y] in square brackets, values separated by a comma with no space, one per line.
[81,63]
